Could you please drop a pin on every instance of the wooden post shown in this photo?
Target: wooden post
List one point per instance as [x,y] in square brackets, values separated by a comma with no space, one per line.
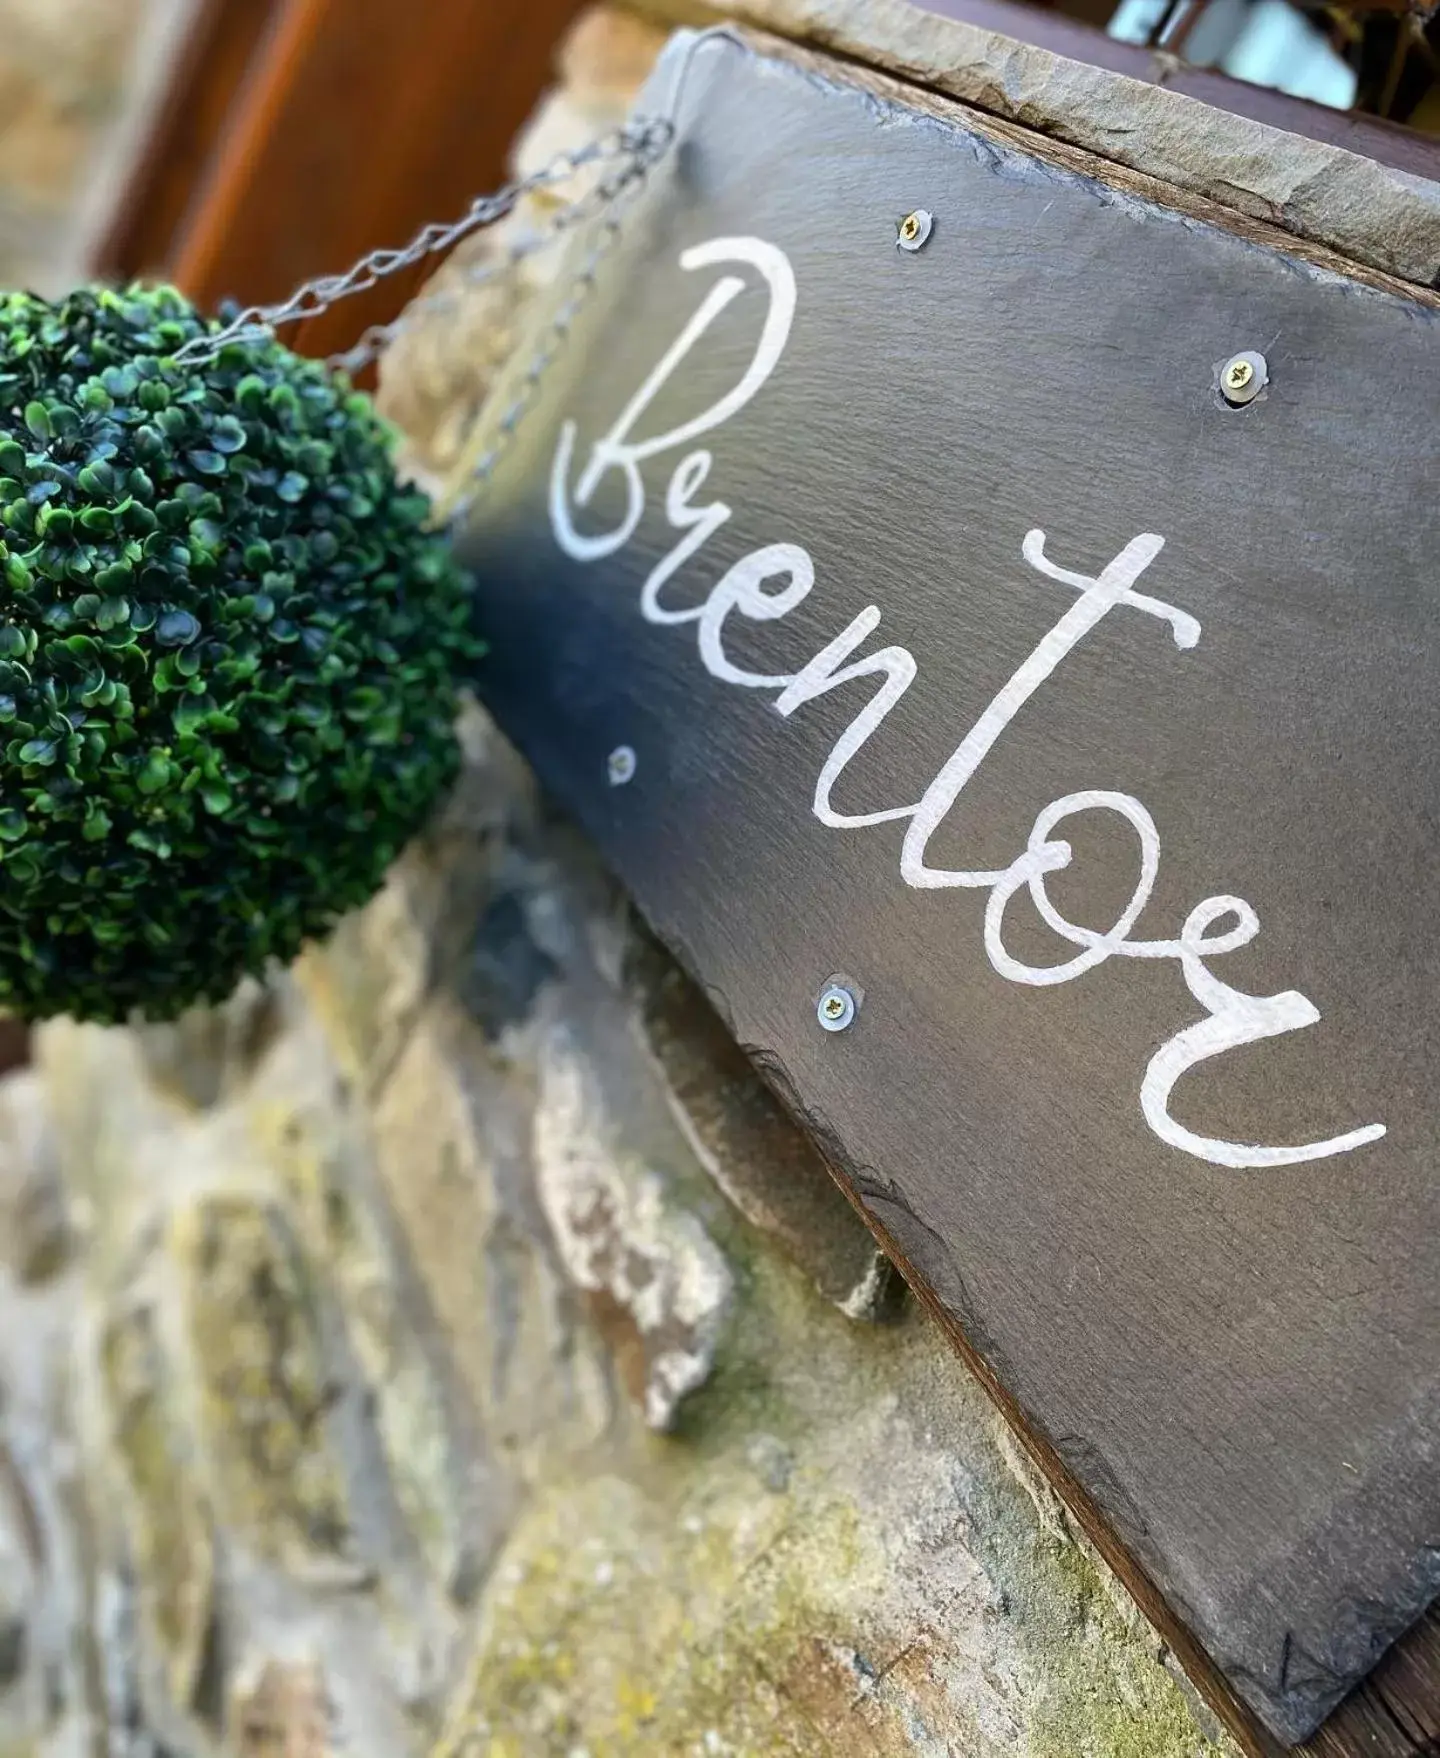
[303,133]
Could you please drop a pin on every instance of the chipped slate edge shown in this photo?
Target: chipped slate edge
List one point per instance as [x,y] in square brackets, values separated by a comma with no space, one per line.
[1386,218]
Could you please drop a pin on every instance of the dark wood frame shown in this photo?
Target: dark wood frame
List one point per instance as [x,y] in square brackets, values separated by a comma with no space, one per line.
[299,134]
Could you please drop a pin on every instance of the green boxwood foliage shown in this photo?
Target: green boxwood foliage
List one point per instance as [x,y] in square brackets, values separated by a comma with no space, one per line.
[229,652]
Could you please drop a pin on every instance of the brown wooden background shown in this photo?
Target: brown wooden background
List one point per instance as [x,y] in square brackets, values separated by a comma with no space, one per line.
[299,134]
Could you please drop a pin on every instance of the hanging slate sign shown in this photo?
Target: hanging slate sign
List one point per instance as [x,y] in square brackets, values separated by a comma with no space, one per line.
[938,656]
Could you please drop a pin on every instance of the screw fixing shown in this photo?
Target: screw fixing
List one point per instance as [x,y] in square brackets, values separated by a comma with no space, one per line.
[1242,378]
[835,1008]
[620,765]
[913,230]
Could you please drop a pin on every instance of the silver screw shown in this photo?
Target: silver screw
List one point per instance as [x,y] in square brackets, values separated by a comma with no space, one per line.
[835,1008]
[914,229]
[1243,377]
[620,765]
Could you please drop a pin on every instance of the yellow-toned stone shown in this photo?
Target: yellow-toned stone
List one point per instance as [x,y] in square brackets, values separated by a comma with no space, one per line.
[250,1311]
[286,1713]
[318,1145]
[469,318]
[69,80]
[460,1189]
[169,1525]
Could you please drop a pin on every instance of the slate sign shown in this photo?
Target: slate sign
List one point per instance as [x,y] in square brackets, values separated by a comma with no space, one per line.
[925,621]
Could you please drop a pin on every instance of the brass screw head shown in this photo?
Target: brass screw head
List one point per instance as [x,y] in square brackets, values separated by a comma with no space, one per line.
[913,230]
[836,1008]
[1242,378]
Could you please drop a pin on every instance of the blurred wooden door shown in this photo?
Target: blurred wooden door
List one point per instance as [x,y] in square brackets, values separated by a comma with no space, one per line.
[299,134]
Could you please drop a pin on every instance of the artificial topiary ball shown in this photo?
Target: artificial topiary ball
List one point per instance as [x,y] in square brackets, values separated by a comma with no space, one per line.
[229,656]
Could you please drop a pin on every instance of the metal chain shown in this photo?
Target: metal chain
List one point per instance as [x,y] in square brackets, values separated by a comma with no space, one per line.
[549,344]
[652,136]
[637,145]
[582,284]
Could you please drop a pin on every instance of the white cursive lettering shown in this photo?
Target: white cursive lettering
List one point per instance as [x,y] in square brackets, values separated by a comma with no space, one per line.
[1232,1018]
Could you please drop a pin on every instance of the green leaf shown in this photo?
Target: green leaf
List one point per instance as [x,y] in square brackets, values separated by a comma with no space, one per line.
[177,628]
[191,715]
[155,773]
[37,419]
[99,479]
[40,752]
[227,436]
[148,444]
[121,382]
[153,843]
[114,580]
[12,825]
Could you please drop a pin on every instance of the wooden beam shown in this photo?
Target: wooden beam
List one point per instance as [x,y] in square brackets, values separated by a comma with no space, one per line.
[219,49]
[360,122]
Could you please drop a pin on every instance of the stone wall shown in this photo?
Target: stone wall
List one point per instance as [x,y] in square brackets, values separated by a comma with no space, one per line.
[449,1350]
[75,79]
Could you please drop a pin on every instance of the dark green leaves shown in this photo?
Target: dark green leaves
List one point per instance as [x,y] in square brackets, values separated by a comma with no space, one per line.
[227,436]
[176,628]
[228,657]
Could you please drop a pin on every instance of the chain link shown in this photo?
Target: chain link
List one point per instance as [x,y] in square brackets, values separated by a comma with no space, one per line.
[627,186]
[549,344]
[652,138]
[637,146]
